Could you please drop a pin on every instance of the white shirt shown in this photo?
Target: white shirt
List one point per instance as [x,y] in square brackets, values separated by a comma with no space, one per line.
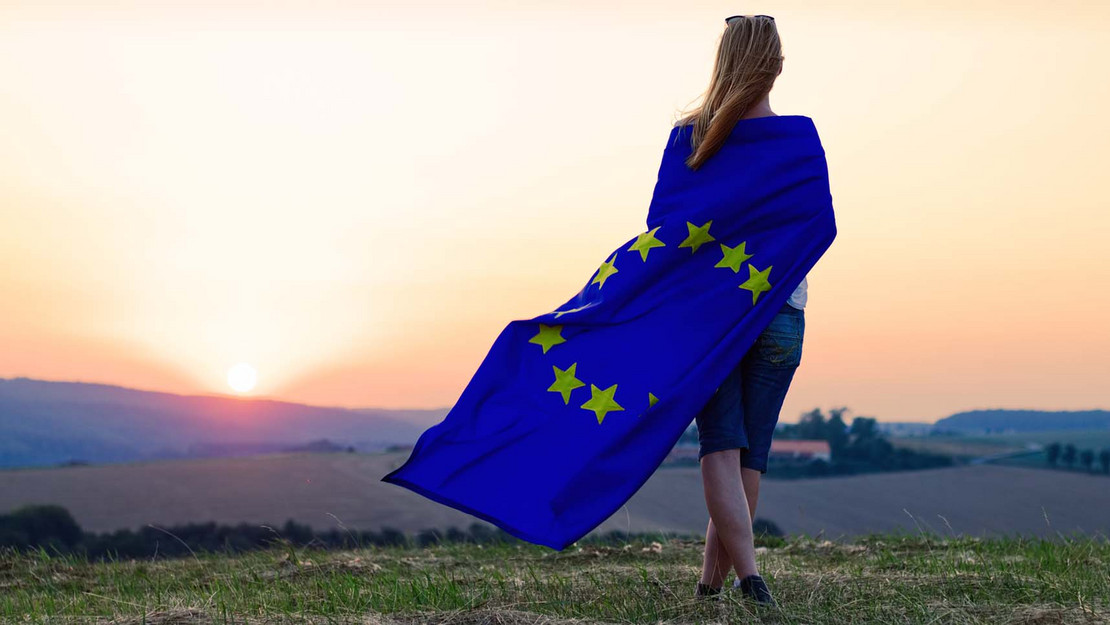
[798,297]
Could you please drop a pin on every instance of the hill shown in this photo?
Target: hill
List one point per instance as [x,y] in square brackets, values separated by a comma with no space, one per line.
[878,579]
[46,423]
[325,491]
[984,421]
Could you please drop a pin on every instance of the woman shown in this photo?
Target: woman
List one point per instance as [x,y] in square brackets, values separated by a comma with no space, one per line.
[572,410]
[737,423]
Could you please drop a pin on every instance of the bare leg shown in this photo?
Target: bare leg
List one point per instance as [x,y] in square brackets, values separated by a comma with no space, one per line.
[731,518]
[750,477]
[716,564]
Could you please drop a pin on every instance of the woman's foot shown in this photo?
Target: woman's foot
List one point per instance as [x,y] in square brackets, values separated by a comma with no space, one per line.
[756,589]
[709,592]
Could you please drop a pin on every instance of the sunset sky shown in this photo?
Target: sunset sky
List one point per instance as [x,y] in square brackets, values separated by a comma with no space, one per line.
[356,197]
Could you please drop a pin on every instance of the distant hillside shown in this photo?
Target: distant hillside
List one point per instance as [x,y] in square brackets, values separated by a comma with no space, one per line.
[1024,420]
[45,423]
[421,418]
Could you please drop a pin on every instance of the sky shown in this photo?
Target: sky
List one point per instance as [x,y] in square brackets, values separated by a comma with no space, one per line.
[356,197]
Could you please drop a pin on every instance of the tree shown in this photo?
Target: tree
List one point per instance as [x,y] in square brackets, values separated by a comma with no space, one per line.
[1104,460]
[1052,453]
[836,432]
[1069,455]
[879,451]
[811,425]
[34,526]
[819,467]
[1087,458]
[392,536]
[763,526]
[864,428]
[429,536]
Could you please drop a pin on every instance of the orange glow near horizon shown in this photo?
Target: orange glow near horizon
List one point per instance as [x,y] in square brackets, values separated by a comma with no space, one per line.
[356,198]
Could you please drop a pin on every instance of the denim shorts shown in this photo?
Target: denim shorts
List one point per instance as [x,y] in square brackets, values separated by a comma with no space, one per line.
[745,408]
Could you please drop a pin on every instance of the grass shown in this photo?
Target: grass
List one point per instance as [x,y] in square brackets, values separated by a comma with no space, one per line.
[897,578]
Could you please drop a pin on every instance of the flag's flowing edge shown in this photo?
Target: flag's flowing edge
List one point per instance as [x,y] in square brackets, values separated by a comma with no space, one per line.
[815,252]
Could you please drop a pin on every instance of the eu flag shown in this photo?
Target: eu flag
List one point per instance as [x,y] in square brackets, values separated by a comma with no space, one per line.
[571,411]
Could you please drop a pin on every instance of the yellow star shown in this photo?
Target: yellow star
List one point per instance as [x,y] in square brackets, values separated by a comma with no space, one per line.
[733,256]
[644,243]
[548,337]
[601,402]
[565,382]
[757,282]
[605,270]
[698,235]
[651,400]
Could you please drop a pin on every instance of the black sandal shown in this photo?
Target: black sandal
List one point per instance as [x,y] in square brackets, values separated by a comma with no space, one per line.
[755,588]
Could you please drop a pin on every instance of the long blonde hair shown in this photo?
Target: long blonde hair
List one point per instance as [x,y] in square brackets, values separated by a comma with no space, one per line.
[749,58]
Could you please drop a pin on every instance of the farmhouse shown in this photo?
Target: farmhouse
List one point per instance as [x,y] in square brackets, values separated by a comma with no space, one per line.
[800,451]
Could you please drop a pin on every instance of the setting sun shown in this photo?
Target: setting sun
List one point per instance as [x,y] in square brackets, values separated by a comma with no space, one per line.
[142,145]
[242,377]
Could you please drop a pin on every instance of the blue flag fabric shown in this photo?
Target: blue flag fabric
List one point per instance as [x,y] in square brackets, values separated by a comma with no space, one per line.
[571,411]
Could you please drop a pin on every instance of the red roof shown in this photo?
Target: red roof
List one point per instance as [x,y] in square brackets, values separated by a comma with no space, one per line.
[788,446]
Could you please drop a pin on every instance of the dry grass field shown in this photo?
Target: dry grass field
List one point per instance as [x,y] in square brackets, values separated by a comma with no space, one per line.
[324,490]
[877,579]
[959,447]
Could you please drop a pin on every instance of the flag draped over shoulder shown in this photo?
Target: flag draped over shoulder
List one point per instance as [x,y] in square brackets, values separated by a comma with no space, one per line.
[571,411]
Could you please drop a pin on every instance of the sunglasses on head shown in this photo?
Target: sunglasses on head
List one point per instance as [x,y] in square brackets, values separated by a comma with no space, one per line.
[729,20]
